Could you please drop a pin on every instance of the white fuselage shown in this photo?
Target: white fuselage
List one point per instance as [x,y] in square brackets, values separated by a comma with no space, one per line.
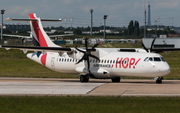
[113,64]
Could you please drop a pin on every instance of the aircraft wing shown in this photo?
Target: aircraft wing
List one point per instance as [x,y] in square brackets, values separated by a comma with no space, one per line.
[34,48]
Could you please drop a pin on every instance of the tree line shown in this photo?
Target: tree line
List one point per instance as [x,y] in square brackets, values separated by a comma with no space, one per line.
[134,29]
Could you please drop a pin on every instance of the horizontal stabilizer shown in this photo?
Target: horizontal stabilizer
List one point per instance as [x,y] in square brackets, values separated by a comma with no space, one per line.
[48,20]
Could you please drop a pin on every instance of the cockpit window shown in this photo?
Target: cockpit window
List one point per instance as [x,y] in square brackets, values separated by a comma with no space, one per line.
[157,59]
[150,59]
[163,59]
[146,59]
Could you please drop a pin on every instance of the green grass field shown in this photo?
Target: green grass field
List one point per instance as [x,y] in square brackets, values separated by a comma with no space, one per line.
[89,105]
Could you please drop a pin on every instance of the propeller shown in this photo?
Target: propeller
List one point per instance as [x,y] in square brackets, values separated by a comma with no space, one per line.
[151,45]
[87,54]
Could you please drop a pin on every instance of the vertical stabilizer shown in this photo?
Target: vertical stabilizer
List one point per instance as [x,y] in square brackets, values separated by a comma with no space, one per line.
[40,38]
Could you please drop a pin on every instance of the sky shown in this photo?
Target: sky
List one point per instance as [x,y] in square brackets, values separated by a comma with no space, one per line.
[77,14]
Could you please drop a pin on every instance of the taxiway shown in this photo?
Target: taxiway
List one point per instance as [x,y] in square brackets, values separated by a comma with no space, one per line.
[72,87]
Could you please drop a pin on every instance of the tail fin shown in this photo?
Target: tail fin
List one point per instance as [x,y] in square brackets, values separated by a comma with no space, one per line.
[40,38]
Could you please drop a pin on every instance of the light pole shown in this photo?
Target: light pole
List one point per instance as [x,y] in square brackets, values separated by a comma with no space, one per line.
[2,12]
[105,17]
[156,26]
[145,24]
[91,11]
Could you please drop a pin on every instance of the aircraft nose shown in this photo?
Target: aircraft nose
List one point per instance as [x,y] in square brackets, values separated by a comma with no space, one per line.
[165,69]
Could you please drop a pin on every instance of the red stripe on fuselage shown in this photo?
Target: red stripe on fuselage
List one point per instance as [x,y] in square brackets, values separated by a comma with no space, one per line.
[43,59]
[38,32]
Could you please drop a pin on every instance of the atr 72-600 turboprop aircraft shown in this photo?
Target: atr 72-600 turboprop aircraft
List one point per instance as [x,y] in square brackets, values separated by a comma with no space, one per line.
[99,63]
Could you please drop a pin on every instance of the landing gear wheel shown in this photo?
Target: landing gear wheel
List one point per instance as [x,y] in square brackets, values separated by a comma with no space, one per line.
[159,80]
[84,78]
[116,79]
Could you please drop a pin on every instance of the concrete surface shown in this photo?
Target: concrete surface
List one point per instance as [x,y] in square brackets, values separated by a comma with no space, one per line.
[72,87]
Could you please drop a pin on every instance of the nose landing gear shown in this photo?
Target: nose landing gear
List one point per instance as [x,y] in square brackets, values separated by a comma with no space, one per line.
[159,80]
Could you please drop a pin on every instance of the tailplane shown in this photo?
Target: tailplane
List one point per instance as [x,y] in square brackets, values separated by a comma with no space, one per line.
[40,38]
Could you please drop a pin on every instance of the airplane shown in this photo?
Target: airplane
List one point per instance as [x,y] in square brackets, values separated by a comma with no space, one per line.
[98,63]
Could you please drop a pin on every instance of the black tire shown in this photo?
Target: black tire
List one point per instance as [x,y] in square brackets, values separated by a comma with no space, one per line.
[116,79]
[84,78]
[158,81]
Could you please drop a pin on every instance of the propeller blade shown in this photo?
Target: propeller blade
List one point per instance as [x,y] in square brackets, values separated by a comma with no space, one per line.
[88,63]
[152,43]
[144,46]
[95,57]
[95,46]
[80,50]
[80,60]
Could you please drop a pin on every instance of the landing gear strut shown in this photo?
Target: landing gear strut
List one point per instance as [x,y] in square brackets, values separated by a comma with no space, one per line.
[84,78]
[159,80]
[117,79]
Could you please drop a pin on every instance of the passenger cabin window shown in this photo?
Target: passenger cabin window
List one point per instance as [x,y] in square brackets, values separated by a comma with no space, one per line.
[96,61]
[102,61]
[113,61]
[110,61]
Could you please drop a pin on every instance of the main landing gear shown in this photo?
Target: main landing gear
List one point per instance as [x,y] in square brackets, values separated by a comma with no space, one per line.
[84,78]
[117,79]
[159,80]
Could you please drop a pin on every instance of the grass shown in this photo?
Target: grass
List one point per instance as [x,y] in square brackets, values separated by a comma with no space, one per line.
[89,104]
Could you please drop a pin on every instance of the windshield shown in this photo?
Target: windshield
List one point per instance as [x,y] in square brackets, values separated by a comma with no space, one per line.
[155,59]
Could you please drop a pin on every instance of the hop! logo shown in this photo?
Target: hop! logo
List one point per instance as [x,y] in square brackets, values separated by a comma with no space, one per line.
[126,63]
